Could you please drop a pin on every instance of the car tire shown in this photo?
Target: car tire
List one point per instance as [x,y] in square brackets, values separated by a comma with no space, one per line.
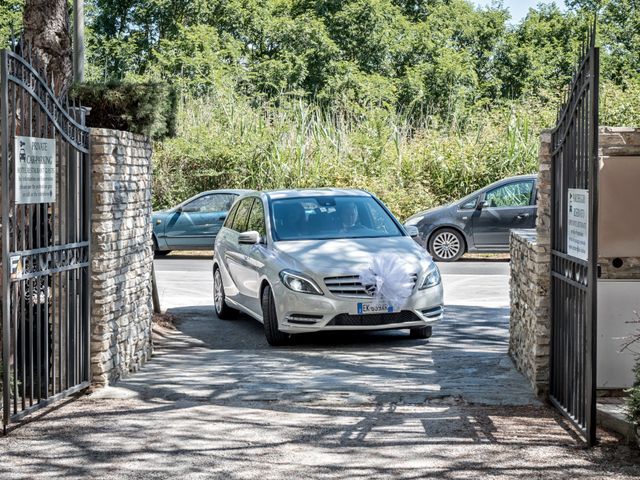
[446,245]
[420,332]
[275,337]
[223,311]
[159,253]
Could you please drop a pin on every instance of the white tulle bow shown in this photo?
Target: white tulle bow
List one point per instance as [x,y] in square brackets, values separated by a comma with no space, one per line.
[390,277]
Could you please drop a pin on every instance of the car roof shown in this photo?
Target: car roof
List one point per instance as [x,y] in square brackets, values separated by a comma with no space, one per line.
[315,192]
[237,191]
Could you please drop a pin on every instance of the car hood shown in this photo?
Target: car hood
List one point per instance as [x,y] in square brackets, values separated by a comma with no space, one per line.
[349,256]
[429,212]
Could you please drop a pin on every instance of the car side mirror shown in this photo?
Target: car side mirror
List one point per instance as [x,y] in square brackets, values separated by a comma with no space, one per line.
[249,238]
[412,230]
[482,204]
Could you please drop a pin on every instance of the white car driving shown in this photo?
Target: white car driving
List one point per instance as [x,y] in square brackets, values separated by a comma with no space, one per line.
[310,260]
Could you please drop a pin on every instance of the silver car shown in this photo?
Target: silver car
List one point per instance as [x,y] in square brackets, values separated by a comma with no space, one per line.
[295,260]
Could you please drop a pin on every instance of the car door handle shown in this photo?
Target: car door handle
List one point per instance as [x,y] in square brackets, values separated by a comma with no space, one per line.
[523,215]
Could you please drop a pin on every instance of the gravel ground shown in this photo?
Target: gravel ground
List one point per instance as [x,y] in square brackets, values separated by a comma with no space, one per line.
[205,418]
[127,438]
[217,402]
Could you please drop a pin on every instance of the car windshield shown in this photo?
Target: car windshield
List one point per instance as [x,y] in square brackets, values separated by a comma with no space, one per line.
[328,217]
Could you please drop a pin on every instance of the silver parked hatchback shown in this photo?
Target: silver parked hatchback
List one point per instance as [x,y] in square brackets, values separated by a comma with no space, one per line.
[310,260]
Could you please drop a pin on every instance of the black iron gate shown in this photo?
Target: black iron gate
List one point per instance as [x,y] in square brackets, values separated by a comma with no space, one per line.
[46,195]
[574,217]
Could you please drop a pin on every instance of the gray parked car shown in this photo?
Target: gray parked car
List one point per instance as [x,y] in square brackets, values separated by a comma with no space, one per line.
[479,222]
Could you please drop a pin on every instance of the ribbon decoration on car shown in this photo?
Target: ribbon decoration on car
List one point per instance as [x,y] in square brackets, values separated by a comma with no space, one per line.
[388,279]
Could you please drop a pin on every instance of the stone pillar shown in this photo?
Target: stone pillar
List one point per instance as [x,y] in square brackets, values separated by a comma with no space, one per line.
[530,320]
[122,254]
[529,330]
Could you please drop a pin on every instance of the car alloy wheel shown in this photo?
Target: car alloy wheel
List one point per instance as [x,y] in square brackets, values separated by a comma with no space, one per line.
[223,311]
[447,246]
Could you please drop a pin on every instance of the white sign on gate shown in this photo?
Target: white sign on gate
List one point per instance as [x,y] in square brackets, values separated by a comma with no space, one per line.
[35,170]
[578,223]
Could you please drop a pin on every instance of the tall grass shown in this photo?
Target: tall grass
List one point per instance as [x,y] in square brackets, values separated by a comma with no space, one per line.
[226,141]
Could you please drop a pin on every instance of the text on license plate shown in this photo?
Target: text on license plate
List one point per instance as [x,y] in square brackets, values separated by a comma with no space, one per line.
[370,308]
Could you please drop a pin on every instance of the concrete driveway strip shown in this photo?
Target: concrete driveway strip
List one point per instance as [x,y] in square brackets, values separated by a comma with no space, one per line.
[217,402]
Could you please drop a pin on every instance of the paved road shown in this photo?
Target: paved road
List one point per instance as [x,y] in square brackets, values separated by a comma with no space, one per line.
[465,360]
[187,281]
[217,402]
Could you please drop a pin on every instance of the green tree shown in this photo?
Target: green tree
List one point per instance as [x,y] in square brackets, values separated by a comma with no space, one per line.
[10,19]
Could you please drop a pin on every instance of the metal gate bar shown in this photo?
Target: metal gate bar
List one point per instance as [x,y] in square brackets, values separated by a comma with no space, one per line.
[45,299]
[573,279]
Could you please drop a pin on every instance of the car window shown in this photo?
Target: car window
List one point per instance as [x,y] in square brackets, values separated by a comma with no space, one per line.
[228,223]
[314,218]
[242,215]
[256,218]
[516,194]
[216,202]
[469,204]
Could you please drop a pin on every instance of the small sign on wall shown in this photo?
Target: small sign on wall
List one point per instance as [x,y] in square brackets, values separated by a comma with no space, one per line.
[35,170]
[578,223]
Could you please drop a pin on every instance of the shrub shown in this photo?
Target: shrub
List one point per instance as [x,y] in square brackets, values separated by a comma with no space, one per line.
[225,141]
[146,108]
[633,400]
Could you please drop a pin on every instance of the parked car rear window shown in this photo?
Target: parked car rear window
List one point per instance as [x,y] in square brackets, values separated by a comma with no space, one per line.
[327,217]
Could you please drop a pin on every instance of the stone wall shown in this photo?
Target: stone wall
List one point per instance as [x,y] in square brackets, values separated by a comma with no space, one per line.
[122,254]
[529,327]
[530,280]
[530,262]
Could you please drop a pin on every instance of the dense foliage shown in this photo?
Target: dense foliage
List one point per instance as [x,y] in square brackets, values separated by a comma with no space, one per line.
[146,108]
[417,100]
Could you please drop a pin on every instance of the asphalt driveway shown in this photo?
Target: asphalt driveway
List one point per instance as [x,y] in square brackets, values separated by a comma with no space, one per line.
[217,402]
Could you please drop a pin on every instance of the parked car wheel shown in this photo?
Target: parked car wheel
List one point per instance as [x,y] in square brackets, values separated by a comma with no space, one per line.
[159,253]
[274,336]
[223,311]
[446,245]
[421,332]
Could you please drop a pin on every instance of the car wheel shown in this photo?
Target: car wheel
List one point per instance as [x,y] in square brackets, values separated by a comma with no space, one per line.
[159,253]
[223,311]
[446,245]
[274,336]
[420,332]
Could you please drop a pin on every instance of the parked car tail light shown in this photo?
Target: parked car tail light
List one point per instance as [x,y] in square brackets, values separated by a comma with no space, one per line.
[432,278]
[299,283]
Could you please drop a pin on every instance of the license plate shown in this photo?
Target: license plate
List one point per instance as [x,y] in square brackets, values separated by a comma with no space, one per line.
[364,308]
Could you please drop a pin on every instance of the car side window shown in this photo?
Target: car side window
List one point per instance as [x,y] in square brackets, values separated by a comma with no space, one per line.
[256,218]
[242,215]
[228,223]
[217,202]
[470,204]
[516,194]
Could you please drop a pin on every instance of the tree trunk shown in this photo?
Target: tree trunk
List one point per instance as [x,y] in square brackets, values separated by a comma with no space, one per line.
[46,29]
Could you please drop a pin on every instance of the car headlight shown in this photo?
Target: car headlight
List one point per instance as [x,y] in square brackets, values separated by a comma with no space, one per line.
[299,283]
[432,278]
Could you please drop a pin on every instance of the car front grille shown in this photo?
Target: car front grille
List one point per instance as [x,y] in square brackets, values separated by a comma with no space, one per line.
[345,320]
[350,286]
